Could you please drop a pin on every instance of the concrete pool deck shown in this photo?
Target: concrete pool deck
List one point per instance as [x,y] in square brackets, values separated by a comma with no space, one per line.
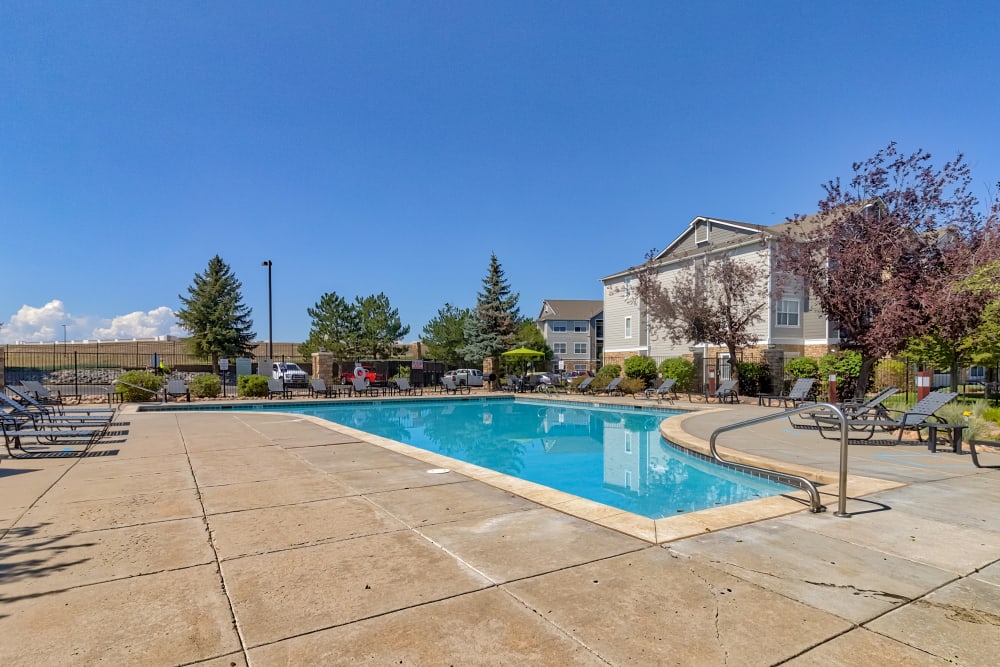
[233,538]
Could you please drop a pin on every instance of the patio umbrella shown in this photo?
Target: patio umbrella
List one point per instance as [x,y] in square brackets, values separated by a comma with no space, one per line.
[523,354]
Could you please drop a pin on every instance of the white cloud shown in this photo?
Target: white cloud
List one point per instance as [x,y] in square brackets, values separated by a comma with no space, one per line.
[157,322]
[31,323]
[45,323]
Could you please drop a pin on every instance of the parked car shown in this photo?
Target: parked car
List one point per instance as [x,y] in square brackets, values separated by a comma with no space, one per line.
[471,377]
[290,374]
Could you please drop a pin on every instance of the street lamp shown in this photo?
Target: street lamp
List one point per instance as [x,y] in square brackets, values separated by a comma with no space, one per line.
[270,336]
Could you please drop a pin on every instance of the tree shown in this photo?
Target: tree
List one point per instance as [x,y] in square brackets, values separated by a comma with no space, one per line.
[215,315]
[445,334]
[875,256]
[717,303]
[334,327]
[493,327]
[381,329]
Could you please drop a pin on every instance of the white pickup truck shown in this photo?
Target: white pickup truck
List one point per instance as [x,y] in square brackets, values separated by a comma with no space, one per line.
[471,377]
[290,374]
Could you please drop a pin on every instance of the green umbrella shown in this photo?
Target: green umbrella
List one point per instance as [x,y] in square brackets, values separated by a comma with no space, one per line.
[522,353]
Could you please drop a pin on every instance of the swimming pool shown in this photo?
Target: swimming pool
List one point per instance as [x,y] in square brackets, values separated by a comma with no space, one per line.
[609,455]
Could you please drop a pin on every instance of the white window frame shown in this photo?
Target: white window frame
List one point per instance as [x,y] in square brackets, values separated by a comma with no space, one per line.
[577,350]
[702,232]
[556,346]
[581,326]
[782,311]
[559,326]
[628,326]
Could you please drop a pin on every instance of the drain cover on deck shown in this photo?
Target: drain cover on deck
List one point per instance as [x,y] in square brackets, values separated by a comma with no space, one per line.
[438,471]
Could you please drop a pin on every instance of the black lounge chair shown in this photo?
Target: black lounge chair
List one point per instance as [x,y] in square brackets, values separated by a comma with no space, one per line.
[404,387]
[801,392]
[46,434]
[362,387]
[871,408]
[451,388]
[724,393]
[665,390]
[275,386]
[317,387]
[177,388]
[919,417]
[57,409]
[584,386]
[614,388]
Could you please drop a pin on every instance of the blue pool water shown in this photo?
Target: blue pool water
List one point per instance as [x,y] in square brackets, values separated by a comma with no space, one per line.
[615,457]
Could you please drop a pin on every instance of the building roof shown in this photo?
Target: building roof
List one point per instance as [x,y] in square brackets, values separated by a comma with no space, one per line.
[570,309]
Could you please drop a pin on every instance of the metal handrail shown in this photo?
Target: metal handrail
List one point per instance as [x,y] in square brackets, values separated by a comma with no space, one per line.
[147,389]
[815,504]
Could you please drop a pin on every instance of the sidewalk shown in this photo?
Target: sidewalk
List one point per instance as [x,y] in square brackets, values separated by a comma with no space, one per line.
[261,538]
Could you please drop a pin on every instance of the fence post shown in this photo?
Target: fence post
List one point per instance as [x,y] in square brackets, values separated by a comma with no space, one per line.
[76,376]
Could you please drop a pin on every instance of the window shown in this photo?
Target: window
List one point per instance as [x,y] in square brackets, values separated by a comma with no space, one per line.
[788,313]
[628,327]
[559,326]
[579,348]
[702,230]
[581,327]
[559,348]
[579,367]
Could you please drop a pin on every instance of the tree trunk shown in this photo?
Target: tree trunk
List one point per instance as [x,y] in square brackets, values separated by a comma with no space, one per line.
[953,384]
[865,375]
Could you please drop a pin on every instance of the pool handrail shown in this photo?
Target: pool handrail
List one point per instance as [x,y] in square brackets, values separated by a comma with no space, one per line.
[815,504]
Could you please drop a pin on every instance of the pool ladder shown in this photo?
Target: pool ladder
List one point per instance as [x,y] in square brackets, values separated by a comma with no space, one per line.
[815,504]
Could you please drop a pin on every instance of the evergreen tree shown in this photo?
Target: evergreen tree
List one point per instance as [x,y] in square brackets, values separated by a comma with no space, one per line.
[334,327]
[215,315]
[445,334]
[381,329]
[496,318]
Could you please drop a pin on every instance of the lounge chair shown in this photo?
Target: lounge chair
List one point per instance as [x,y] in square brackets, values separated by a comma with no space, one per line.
[39,414]
[403,387]
[451,388]
[724,393]
[613,387]
[57,409]
[176,388]
[41,394]
[920,416]
[584,385]
[275,386]
[871,408]
[361,386]
[13,430]
[317,387]
[665,390]
[798,394]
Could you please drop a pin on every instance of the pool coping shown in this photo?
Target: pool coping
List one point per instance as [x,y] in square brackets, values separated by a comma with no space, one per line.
[653,531]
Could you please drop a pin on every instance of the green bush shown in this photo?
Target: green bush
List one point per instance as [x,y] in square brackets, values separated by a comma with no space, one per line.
[607,373]
[681,370]
[846,364]
[205,386]
[252,385]
[141,379]
[754,378]
[802,367]
[632,385]
[640,368]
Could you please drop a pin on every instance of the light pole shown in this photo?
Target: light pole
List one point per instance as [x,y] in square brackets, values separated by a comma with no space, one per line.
[270,336]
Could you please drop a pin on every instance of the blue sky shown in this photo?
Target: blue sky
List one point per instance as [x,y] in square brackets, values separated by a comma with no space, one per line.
[370,147]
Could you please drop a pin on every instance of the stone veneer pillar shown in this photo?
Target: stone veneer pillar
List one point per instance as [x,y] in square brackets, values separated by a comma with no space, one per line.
[323,367]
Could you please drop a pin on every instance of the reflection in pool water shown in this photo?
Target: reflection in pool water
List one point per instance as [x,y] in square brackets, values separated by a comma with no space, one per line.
[615,457]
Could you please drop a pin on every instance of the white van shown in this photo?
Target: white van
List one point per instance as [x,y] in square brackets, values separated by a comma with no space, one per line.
[471,377]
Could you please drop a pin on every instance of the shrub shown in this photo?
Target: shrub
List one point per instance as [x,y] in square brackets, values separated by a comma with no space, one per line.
[607,373]
[632,385]
[640,368]
[205,386]
[141,379]
[252,385]
[754,378]
[979,426]
[802,367]
[681,370]
[846,364]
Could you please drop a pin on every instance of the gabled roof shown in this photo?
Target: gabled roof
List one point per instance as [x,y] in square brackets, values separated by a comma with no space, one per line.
[570,309]
[745,227]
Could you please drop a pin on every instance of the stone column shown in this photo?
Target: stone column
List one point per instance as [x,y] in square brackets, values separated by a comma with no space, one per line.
[323,367]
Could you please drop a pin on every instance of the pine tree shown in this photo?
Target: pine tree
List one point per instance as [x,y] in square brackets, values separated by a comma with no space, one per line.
[215,315]
[493,327]
[334,327]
